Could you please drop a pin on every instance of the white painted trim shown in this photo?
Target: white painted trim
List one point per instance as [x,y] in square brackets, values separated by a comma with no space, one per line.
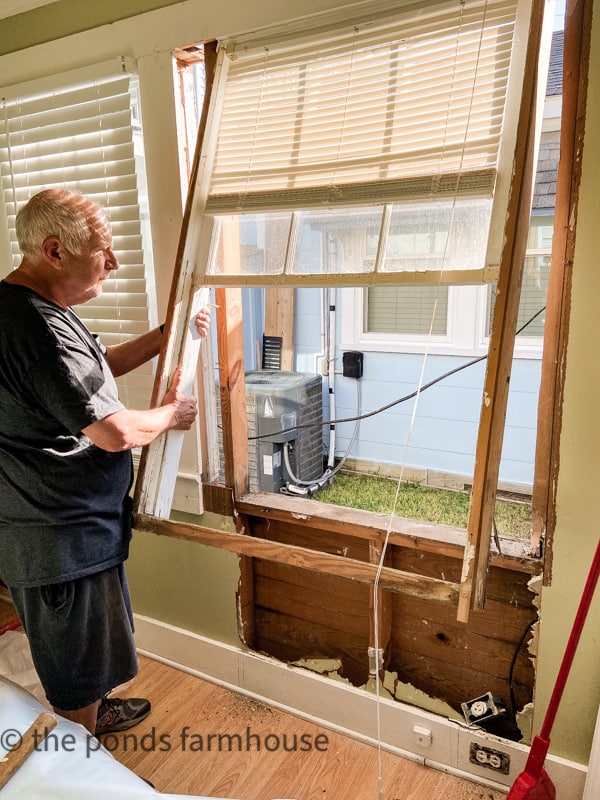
[592,783]
[341,707]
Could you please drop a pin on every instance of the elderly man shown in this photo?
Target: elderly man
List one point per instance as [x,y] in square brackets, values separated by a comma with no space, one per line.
[65,460]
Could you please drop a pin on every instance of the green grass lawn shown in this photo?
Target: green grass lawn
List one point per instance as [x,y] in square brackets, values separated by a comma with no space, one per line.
[441,506]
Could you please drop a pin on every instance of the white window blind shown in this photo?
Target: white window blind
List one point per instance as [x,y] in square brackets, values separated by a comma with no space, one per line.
[75,131]
[414,113]
[407,310]
[401,99]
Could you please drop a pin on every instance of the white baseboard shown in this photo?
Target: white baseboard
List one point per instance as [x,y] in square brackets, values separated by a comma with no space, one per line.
[592,784]
[338,706]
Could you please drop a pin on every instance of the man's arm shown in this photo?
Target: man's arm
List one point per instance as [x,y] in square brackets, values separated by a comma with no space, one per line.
[130,428]
[128,355]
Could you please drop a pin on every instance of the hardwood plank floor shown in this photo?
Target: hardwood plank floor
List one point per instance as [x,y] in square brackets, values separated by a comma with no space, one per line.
[202,739]
[190,714]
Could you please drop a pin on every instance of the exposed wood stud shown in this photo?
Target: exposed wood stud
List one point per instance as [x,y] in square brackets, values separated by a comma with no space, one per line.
[502,339]
[279,321]
[354,523]
[232,389]
[578,26]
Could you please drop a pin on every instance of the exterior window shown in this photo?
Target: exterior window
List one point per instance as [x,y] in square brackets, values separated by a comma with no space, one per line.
[407,310]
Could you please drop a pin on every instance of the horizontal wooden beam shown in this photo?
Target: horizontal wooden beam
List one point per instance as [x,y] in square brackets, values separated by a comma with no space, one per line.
[350,569]
[414,534]
[432,276]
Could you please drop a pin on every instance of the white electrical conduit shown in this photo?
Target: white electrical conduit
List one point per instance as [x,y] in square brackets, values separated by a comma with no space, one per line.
[331,375]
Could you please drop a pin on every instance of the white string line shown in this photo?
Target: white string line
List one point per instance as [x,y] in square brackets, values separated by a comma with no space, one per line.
[261,99]
[391,516]
[10,160]
[345,115]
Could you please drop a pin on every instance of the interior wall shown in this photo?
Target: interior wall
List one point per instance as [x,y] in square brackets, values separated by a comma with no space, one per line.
[185,584]
[150,37]
[578,524]
[66,17]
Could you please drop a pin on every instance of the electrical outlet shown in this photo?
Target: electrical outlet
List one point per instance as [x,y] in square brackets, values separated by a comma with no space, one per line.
[481,708]
[497,760]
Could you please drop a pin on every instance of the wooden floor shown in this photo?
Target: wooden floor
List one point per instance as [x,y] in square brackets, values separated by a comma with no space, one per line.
[203,740]
[188,760]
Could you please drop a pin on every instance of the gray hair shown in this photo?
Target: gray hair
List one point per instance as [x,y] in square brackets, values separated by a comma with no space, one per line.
[55,212]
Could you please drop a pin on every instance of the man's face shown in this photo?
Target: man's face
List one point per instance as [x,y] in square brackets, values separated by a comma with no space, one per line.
[86,273]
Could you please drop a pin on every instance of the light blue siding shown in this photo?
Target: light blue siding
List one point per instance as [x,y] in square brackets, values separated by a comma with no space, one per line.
[443,435]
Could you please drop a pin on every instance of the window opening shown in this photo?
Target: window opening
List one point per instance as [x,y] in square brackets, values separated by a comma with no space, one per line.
[208,235]
[342,241]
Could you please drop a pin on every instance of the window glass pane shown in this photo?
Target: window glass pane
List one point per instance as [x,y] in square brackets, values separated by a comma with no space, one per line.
[407,310]
[536,270]
[533,294]
[438,235]
[250,244]
[337,241]
[540,233]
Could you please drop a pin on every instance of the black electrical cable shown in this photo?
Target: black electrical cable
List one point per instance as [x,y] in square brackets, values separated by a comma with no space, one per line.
[513,663]
[394,402]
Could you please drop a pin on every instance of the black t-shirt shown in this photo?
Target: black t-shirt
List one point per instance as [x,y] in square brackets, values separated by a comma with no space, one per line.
[64,503]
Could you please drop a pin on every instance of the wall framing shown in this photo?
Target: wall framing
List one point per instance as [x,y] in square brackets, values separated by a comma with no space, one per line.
[469,589]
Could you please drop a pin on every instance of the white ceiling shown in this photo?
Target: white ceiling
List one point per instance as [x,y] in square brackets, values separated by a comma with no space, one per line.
[9,8]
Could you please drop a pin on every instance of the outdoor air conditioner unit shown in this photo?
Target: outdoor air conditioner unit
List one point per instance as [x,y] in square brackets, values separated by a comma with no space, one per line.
[277,402]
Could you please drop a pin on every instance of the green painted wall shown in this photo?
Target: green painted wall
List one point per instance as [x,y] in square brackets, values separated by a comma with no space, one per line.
[578,517]
[186,584]
[67,17]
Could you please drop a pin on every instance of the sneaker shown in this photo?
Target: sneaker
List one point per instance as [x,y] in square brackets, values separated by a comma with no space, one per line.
[120,714]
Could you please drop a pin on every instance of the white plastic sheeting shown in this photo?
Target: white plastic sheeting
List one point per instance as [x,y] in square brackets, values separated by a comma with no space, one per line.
[70,764]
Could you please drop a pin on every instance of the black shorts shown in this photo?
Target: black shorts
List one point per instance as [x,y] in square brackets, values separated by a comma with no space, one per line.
[81,636]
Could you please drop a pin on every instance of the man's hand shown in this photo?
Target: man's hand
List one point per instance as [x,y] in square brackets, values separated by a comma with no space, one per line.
[202,321]
[185,409]
[130,428]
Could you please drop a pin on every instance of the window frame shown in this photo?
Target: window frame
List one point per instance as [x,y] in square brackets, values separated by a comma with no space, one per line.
[161,458]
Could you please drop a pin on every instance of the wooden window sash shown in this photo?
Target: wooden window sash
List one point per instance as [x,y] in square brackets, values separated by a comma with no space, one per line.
[456,180]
